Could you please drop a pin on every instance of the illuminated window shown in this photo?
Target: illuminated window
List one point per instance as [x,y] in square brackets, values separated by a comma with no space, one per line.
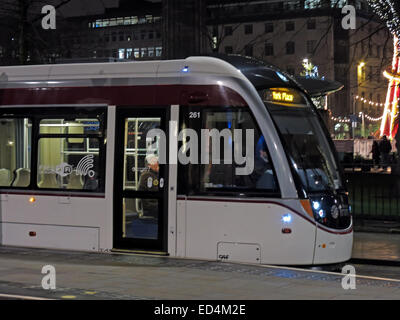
[15,152]
[129,53]
[69,154]
[121,53]
[151,51]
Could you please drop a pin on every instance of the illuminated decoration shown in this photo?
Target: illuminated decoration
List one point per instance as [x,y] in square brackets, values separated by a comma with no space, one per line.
[310,70]
[389,12]
[348,120]
[372,103]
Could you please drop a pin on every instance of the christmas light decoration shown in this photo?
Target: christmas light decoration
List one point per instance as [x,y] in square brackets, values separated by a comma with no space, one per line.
[389,12]
[372,103]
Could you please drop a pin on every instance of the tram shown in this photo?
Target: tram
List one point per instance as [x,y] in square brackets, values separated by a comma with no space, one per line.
[201,158]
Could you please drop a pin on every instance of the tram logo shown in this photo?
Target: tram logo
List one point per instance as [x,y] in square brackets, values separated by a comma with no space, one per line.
[85,166]
[64,169]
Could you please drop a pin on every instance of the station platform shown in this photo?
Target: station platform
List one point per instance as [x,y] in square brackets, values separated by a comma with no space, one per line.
[93,276]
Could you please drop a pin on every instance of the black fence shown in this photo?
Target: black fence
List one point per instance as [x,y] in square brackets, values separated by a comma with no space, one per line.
[374,192]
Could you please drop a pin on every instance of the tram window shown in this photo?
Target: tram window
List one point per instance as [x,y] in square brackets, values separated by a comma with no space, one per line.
[65,163]
[141,156]
[236,159]
[15,152]
[75,126]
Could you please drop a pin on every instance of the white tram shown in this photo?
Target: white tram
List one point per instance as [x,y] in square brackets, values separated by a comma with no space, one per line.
[81,167]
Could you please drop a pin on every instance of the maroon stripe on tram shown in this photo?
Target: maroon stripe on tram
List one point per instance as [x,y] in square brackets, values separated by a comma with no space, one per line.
[154,95]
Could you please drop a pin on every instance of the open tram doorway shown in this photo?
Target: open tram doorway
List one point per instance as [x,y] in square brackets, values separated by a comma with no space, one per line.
[140,184]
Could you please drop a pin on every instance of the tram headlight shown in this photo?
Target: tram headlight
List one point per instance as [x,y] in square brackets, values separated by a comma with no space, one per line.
[335,212]
[287,218]
[321,213]
[316,205]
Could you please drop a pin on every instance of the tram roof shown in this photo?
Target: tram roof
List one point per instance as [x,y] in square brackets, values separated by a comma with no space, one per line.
[259,73]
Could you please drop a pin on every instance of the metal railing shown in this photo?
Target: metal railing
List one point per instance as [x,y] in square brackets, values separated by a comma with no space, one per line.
[374,193]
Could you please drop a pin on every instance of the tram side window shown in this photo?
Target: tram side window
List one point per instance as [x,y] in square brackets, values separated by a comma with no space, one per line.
[233,154]
[15,152]
[68,154]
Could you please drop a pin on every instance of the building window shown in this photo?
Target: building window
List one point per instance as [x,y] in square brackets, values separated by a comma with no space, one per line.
[151,51]
[136,53]
[121,36]
[269,49]
[248,50]
[143,34]
[290,47]
[228,50]
[311,46]
[158,51]
[269,27]
[121,54]
[228,31]
[129,53]
[289,26]
[311,24]
[143,52]
[248,29]
[114,37]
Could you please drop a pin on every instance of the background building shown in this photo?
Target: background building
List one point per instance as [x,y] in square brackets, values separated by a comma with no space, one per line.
[133,30]
[282,32]
[285,33]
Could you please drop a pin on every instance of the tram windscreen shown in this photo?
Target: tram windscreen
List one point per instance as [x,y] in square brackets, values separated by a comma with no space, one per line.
[306,144]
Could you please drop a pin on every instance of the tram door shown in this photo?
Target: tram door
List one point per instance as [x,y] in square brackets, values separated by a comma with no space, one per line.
[140,185]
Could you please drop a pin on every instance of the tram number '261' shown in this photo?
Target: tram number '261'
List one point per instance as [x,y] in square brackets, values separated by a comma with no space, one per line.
[194,115]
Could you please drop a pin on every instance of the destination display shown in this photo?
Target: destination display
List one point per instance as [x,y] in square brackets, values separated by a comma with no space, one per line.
[285,96]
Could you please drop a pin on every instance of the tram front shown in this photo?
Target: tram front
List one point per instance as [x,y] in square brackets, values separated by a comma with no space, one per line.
[311,156]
